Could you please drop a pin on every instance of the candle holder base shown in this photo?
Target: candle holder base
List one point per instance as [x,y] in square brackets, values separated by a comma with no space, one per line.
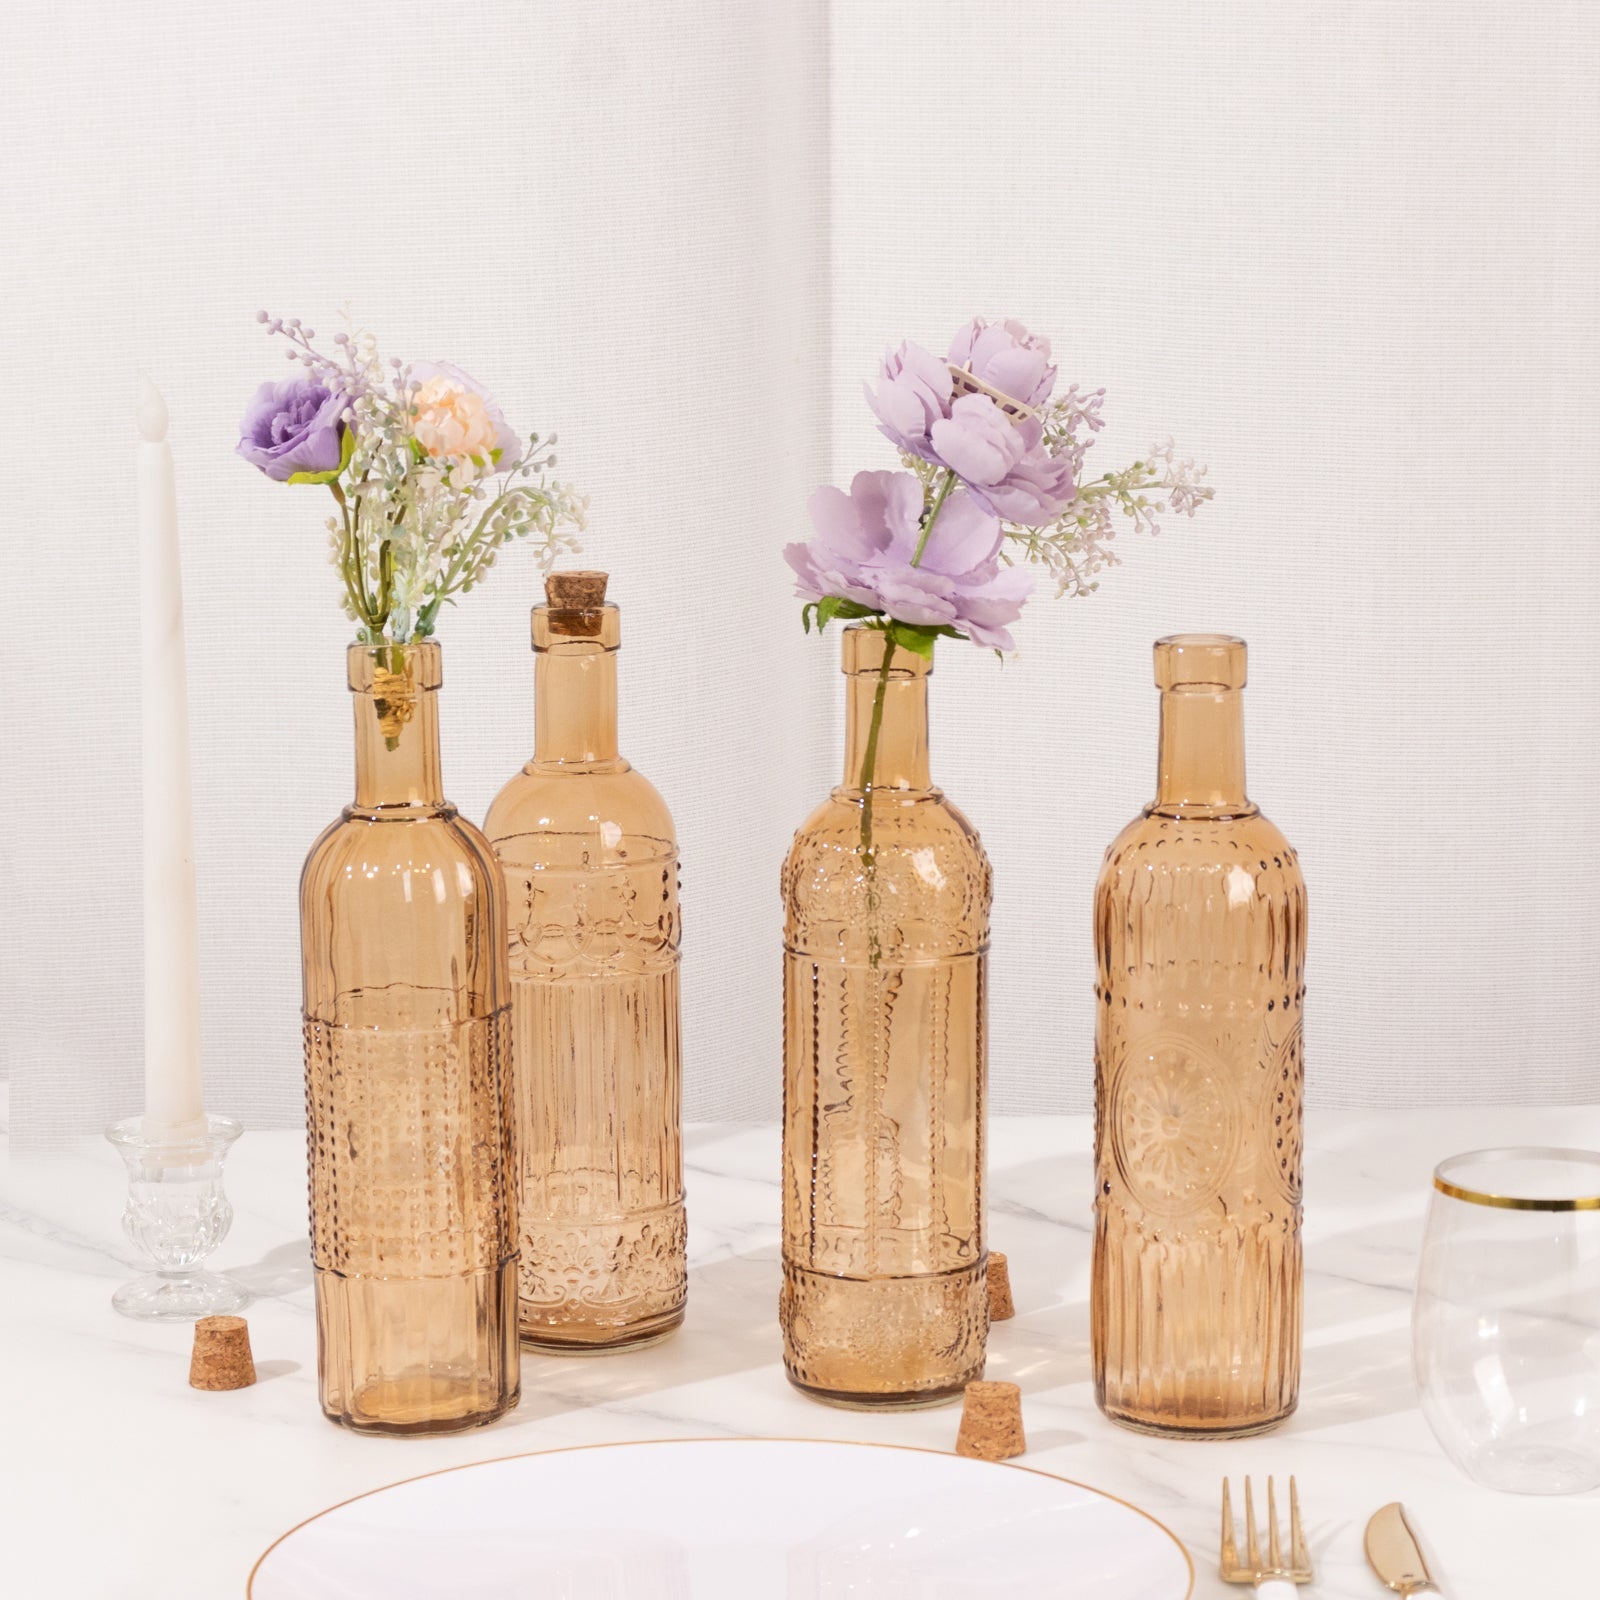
[177,1213]
[180,1297]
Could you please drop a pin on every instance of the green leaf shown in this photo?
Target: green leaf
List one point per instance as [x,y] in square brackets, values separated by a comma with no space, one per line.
[347,448]
[823,611]
[919,639]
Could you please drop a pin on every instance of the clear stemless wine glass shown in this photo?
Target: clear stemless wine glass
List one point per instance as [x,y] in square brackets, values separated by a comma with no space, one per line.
[1506,1332]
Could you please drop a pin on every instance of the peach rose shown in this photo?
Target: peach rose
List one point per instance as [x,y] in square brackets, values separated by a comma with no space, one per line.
[455,418]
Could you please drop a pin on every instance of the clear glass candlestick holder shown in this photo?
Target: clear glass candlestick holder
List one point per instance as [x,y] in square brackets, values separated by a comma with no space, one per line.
[177,1213]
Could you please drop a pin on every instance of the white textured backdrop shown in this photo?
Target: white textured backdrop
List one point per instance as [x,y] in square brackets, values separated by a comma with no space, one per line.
[1349,255]
[1346,254]
[613,216]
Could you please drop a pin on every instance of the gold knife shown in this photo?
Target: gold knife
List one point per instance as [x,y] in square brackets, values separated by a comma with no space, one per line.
[1393,1553]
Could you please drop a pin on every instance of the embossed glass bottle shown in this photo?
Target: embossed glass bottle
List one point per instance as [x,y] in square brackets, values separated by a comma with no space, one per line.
[407,1043]
[886,892]
[1200,939]
[591,869]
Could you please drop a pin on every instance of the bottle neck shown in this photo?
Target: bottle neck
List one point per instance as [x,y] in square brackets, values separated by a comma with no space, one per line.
[395,692]
[1200,772]
[895,704]
[575,702]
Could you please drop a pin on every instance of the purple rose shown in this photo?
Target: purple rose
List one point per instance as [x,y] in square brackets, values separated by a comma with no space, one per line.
[294,431]
[1005,356]
[863,551]
[913,392]
[1003,463]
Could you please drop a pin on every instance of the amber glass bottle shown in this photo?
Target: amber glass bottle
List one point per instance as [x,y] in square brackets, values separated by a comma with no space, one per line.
[407,1034]
[886,893]
[1200,937]
[591,870]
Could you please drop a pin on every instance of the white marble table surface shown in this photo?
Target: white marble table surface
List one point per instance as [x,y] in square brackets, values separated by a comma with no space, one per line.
[122,1483]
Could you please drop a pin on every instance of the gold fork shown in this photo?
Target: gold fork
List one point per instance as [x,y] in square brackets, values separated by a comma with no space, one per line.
[1274,1578]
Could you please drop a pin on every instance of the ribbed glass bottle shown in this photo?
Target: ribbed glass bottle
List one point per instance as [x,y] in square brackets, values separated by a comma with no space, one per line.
[1200,937]
[407,1045]
[886,893]
[591,870]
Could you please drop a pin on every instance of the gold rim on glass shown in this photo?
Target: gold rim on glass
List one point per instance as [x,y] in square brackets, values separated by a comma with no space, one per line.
[618,1444]
[1512,1202]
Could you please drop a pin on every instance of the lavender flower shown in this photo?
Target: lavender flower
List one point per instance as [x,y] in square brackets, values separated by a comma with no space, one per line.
[1005,356]
[914,389]
[295,431]
[874,548]
[1003,463]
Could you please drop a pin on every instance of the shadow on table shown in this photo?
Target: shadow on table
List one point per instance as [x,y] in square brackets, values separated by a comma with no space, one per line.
[283,1270]
[1058,1190]
[1357,1380]
[1356,1279]
[731,1326]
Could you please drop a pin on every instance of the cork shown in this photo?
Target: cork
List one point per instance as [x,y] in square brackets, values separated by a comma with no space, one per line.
[1001,1306]
[991,1422]
[574,600]
[221,1357]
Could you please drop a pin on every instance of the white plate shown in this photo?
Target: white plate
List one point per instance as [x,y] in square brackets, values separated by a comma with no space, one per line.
[729,1519]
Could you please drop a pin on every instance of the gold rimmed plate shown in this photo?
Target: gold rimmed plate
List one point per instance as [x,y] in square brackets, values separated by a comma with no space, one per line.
[729,1519]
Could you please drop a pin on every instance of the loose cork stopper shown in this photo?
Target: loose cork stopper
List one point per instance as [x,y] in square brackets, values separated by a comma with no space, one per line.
[222,1358]
[575,600]
[991,1422]
[1001,1306]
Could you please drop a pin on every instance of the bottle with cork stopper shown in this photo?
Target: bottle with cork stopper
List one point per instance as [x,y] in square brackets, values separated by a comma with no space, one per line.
[1200,941]
[590,859]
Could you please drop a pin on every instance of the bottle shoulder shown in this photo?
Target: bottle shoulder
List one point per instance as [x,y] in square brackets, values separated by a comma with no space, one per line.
[901,819]
[923,893]
[1200,901]
[613,810]
[1152,842]
[442,844]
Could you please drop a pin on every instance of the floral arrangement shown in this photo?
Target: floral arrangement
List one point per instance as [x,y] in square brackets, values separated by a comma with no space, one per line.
[992,482]
[428,479]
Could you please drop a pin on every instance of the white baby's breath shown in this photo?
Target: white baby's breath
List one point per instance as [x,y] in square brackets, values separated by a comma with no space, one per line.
[413,531]
[1075,547]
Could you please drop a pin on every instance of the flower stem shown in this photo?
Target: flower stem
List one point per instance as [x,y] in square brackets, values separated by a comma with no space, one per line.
[869,756]
[869,769]
[933,516]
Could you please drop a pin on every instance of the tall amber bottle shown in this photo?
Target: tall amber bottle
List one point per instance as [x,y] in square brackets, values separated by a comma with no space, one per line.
[886,892]
[1200,937]
[407,1036]
[591,869]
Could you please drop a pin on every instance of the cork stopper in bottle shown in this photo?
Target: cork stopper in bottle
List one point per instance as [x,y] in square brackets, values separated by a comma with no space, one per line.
[222,1358]
[991,1422]
[575,600]
[1001,1306]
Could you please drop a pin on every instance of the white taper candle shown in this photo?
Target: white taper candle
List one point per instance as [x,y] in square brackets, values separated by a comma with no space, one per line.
[172,1101]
